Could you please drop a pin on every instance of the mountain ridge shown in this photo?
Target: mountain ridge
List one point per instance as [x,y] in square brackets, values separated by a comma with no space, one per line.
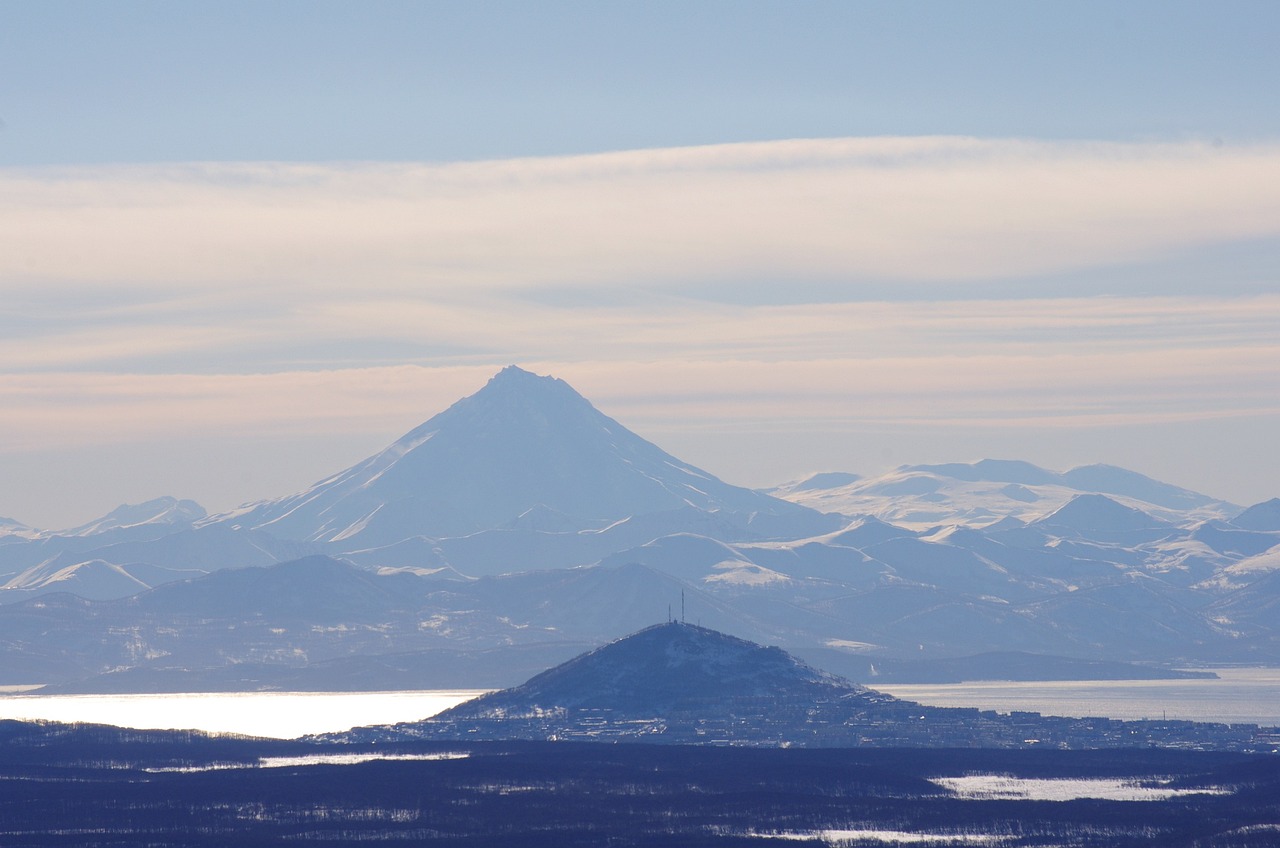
[986,491]
[999,565]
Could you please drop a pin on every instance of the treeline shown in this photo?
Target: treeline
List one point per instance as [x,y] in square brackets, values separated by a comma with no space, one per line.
[90,787]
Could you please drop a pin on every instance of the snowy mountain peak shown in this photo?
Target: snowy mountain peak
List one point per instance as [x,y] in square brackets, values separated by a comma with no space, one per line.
[514,384]
[1086,513]
[1263,516]
[13,527]
[166,510]
[1113,480]
[512,397]
[514,375]
[522,441]
[825,480]
[868,531]
[990,470]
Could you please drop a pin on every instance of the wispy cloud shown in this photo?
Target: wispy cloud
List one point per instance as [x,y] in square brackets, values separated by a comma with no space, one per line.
[936,209]
[275,266]
[969,384]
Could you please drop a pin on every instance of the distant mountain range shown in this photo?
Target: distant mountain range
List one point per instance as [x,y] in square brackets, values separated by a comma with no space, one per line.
[521,525]
[982,493]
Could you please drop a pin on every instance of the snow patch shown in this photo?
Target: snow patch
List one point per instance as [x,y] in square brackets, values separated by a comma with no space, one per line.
[850,645]
[890,837]
[739,573]
[1003,787]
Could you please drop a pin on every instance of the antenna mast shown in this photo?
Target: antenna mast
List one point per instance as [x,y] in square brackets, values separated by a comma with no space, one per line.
[682,606]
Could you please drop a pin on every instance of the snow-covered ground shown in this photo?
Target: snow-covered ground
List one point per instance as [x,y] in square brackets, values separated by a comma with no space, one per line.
[982,493]
[1003,787]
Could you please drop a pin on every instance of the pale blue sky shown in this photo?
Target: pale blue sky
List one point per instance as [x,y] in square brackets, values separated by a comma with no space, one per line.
[243,244]
[164,81]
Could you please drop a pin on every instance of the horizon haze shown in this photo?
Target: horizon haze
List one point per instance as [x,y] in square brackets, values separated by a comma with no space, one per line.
[243,245]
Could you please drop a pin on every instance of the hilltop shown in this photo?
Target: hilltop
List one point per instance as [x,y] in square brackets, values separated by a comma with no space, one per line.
[662,670]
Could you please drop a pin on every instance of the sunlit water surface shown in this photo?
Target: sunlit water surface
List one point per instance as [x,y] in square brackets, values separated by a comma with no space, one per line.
[312,760]
[1240,696]
[280,715]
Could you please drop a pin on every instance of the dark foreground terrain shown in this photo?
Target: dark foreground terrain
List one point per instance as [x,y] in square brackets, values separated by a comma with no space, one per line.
[93,786]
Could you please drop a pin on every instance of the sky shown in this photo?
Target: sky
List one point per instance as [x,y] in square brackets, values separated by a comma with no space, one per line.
[244,245]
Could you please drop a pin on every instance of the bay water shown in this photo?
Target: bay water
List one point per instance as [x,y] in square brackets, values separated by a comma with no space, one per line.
[278,715]
[1239,696]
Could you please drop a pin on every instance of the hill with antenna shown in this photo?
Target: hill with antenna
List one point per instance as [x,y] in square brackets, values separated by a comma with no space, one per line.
[680,683]
[661,670]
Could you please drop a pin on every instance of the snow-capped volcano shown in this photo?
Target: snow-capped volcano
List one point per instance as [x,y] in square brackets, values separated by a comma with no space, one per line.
[522,442]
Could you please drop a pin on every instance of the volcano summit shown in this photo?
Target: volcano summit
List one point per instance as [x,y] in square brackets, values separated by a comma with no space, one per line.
[523,442]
